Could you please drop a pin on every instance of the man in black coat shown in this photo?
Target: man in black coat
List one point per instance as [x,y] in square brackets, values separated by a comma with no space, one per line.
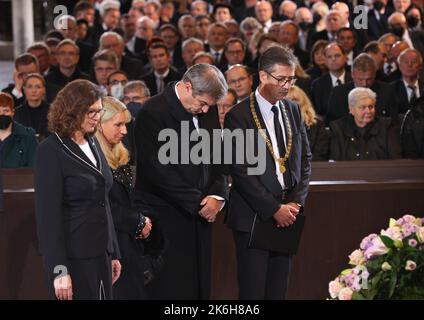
[363,75]
[278,192]
[162,72]
[337,75]
[186,194]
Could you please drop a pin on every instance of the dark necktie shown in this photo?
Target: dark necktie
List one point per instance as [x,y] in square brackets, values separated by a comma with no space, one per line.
[389,69]
[278,132]
[217,56]
[338,82]
[281,146]
[413,95]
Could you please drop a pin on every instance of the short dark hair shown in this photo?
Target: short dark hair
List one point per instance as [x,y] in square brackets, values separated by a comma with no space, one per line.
[159,45]
[25,59]
[276,55]
[81,6]
[346,29]
[116,72]
[235,40]
[169,26]
[363,63]
[372,47]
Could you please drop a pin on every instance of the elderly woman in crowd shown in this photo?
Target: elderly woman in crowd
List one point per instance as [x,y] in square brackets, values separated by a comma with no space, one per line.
[131,224]
[319,139]
[33,112]
[72,183]
[17,143]
[361,135]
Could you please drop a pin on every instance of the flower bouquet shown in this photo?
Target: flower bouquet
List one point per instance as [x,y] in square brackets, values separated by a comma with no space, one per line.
[387,266]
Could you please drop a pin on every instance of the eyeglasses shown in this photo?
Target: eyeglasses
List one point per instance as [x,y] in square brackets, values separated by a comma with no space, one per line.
[93,113]
[235,81]
[123,82]
[136,99]
[284,80]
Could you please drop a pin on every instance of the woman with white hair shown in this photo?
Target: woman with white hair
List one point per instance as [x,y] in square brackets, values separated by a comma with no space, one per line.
[361,135]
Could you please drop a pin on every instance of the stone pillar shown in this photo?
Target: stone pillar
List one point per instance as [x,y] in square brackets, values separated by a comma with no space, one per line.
[23,25]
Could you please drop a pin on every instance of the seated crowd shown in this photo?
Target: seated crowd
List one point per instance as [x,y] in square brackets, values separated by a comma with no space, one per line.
[360,90]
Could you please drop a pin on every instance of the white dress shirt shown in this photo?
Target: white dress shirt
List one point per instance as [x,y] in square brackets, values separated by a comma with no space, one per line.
[334,79]
[410,91]
[268,116]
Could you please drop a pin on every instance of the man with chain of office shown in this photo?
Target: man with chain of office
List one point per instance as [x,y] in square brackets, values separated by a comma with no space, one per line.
[276,196]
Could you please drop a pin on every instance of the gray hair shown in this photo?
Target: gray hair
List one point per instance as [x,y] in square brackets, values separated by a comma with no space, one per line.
[206,79]
[404,52]
[191,40]
[358,94]
[250,23]
[363,63]
[137,85]
[111,33]
[277,55]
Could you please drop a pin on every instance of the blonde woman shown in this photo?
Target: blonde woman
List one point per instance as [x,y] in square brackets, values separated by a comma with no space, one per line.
[131,224]
[315,128]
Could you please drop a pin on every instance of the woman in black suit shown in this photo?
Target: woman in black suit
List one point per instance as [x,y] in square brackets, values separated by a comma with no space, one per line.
[131,224]
[72,181]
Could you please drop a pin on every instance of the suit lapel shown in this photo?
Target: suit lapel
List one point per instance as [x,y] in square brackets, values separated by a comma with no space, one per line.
[75,151]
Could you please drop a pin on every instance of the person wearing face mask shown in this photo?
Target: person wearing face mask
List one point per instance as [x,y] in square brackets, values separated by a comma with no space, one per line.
[304,19]
[115,84]
[414,17]
[186,196]
[398,26]
[17,143]
[377,19]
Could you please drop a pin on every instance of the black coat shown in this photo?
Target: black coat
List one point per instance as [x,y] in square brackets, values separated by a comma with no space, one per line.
[412,132]
[338,102]
[174,191]
[319,141]
[321,90]
[252,194]
[376,28]
[150,80]
[132,67]
[379,141]
[74,219]
[23,116]
[56,81]
[136,259]
[402,101]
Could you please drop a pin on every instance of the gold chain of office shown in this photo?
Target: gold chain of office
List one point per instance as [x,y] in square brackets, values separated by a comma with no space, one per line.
[281,161]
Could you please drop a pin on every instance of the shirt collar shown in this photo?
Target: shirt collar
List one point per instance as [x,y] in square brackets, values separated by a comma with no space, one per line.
[264,105]
[334,78]
[163,75]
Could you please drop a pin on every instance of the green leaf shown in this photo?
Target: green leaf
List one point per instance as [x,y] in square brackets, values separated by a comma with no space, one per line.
[388,242]
[392,285]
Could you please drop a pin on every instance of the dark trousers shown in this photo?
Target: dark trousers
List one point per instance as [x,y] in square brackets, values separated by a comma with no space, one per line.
[91,278]
[261,274]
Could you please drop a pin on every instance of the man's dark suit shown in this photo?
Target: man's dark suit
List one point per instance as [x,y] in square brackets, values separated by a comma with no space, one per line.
[401,94]
[150,80]
[321,90]
[74,220]
[338,104]
[262,195]
[132,67]
[376,28]
[174,191]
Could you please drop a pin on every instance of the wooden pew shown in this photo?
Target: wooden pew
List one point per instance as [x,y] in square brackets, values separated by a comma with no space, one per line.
[347,201]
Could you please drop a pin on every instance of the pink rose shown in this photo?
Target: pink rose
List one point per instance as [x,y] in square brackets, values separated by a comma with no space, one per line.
[357,257]
[410,265]
[334,288]
[345,294]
